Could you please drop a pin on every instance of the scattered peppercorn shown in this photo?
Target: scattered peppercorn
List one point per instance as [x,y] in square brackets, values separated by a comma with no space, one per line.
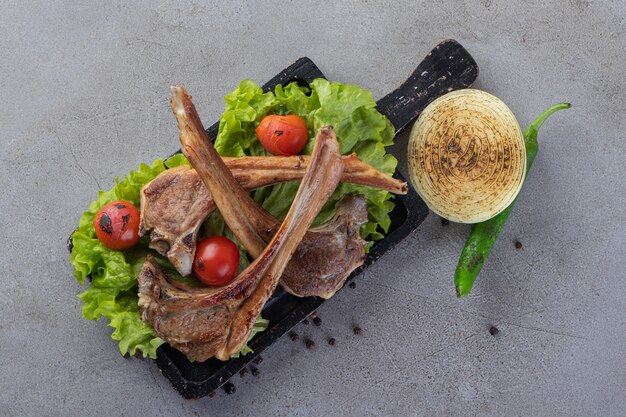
[305,321]
[317,321]
[357,330]
[255,371]
[229,388]
[310,344]
[352,285]
[212,394]
[518,244]
[493,330]
[294,337]
[243,372]
[258,360]
[332,341]
[445,222]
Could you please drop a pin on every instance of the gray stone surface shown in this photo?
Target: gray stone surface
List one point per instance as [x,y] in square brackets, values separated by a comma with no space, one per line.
[84,92]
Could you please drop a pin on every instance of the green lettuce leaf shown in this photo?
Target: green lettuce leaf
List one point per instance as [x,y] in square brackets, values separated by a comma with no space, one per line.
[360,128]
[113,290]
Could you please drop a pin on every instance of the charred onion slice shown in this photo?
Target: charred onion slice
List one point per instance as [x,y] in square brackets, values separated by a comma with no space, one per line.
[466,156]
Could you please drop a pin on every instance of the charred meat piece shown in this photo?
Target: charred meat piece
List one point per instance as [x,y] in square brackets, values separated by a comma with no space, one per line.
[315,269]
[173,207]
[205,322]
[181,316]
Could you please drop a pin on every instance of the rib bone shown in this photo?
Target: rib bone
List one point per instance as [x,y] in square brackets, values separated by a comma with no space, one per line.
[253,172]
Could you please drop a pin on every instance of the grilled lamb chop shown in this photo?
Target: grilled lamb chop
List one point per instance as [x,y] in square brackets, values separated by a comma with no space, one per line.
[175,203]
[206,322]
[315,268]
[173,207]
[254,226]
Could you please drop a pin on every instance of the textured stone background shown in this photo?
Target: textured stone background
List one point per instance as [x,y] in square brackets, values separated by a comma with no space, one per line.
[84,92]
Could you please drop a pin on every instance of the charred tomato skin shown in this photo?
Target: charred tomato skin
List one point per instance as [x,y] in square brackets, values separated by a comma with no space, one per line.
[117,225]
[216,260]
[283,135]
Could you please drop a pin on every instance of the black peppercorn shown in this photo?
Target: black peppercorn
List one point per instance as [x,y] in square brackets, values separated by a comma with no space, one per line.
[229,388]
[357,330]
[255,372]
[243,372]
[332,341]
[294,337]
[258,360]
[518,244]
[310,344]
[493,330]
[352,285]
[317,321]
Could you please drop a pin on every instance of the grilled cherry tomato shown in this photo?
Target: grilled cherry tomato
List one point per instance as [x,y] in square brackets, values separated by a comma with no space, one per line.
[216,260]
[282,135]
[117,225]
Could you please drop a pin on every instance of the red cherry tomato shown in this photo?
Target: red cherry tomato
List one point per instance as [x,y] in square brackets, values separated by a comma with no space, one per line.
[282,135]
[117,225]
[216,260]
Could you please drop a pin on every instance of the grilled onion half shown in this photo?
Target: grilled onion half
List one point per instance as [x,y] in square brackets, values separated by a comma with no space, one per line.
[466,156]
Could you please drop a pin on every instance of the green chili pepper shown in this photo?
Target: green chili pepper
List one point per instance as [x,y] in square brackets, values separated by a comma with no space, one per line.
[484,234]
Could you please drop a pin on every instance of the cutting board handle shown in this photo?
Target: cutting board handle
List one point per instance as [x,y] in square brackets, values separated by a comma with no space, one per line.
[447,67]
